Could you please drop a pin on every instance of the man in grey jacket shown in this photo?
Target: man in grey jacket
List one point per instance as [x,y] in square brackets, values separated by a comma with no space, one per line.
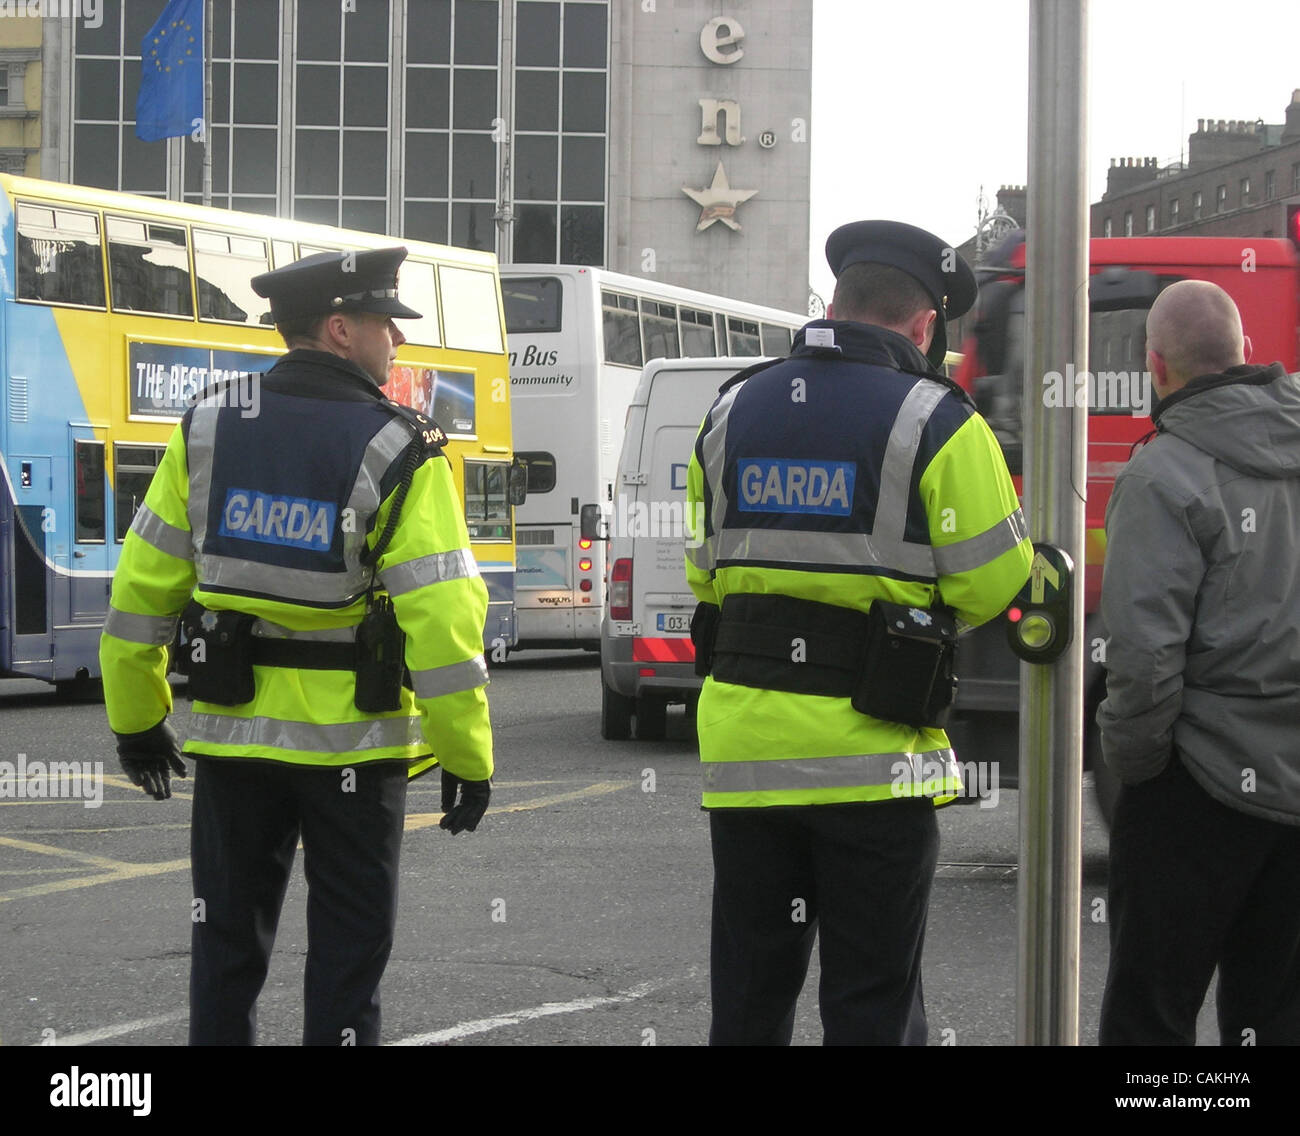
[1201,598]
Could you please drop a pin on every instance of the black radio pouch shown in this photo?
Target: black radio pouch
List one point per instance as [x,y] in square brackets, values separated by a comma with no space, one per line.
[907,667]
[381,643]
[220,649]
[381,657]
[704,631]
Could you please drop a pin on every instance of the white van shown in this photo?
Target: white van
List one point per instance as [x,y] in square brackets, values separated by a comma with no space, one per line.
[646,657]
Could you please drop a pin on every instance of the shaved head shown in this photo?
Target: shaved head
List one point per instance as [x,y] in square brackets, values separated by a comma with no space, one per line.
[1193,329]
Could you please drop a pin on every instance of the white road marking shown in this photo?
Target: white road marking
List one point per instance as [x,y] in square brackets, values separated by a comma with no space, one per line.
[89,1037]
[515,1017]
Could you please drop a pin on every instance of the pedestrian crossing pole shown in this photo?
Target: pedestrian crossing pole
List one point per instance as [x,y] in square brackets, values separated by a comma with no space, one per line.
[1055,440]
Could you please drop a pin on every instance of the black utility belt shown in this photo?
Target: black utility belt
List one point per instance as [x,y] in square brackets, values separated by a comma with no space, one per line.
[223,651]
[894,661]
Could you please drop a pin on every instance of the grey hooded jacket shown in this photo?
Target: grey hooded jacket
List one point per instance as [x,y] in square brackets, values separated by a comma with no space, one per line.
[1201,594]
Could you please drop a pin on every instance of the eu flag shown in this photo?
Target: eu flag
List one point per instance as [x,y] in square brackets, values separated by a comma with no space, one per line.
[171,79]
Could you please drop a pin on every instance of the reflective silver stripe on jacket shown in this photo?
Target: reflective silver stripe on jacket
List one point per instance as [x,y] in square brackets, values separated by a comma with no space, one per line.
[713,454]
[900,456]
[153,530]
[702,555]
[884,547]
[457,564]
[451,679]
[155,630]
[294,584]
[841,550]
[789,775]
[265,629]
[311,737]
[200,442]
[976,551]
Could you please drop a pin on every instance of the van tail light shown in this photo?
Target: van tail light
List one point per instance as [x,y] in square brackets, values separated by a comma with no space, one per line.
[620,591]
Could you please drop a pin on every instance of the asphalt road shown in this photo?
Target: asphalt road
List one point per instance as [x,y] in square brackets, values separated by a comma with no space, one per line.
[577,915]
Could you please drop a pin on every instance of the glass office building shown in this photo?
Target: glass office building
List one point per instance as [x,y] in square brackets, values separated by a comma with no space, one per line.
[373,115]
[546,131]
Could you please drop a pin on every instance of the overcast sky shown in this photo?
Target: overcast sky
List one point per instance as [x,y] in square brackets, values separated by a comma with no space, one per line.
[916,106]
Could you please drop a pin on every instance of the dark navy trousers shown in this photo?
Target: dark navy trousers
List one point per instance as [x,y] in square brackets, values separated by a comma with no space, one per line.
[248,818]
[858,875]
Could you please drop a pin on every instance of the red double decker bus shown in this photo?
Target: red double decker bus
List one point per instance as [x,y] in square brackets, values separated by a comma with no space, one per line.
[1126,274]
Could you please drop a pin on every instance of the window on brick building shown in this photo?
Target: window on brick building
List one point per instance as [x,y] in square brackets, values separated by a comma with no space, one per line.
[1106,228]
[1245,191]
[1220,198]
[1151,218]
[1269,188]
[1173,212]
[1128,224]
[1196,205]
[1295,178]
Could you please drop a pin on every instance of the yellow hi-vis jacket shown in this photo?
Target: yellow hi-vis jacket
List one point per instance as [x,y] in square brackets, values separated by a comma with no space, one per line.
[834,476]
[209,530]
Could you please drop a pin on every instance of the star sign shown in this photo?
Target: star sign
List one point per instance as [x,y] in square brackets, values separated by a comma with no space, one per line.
[718,201]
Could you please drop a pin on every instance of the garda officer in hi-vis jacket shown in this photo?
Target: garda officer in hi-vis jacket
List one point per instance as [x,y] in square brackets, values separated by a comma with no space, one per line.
[850,511]
[317,557]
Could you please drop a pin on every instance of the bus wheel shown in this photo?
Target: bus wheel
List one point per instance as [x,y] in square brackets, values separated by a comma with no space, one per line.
[1105,784]
[651,718]
[615,715]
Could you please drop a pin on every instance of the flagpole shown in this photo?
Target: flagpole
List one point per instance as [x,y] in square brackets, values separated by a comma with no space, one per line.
[207,102]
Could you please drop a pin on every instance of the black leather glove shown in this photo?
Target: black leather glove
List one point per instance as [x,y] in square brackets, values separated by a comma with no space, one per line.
[147,758]
[474,795]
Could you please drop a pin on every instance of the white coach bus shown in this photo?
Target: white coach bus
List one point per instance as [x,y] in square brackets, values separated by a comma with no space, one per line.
[577,340]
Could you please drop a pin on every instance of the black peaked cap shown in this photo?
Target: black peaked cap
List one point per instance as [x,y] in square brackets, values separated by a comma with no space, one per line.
[327,282]
[932,262]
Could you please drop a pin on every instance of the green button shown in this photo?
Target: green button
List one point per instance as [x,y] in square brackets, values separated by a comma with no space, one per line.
[1036,631]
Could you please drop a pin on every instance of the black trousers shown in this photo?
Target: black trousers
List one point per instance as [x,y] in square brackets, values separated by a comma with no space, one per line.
[248,816]
[1195,884]
[859,874]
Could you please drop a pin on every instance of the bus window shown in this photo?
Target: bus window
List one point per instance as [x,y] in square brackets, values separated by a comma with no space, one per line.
[659,328]
[224,265]
[487,513]
[133,470]
[417,289]
[776,340]
[698,341]
[148,268]
[622,330]
[471,316]
[532,304]
[283,252]
[742,337]
[541,470]
[90,492]
[1117,345]
[314,250]
[59,259]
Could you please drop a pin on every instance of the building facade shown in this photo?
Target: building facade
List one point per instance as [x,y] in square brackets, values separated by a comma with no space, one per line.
[1237,182]
[666,138]
[20,96]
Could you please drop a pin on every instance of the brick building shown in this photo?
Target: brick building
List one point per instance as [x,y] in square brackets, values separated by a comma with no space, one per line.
[1237,182]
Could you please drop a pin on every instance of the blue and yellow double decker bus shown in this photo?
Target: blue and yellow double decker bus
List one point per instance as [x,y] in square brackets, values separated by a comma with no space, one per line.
[115,310]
